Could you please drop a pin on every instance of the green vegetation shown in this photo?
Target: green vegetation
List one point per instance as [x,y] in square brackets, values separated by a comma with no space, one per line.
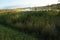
[33,25]
[30,25]
[10,34]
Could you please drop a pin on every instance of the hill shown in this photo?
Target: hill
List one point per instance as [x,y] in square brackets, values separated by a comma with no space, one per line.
[53,7]
[48,7]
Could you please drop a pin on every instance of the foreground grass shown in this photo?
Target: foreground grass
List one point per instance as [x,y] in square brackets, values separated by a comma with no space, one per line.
[10,34]
[40,24]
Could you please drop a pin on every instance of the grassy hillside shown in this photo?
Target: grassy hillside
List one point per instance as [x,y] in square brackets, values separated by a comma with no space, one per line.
[38,25]
[52,7]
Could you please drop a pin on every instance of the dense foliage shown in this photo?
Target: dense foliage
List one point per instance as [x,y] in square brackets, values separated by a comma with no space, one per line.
[44,25]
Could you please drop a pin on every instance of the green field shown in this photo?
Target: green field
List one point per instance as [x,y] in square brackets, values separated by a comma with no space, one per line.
[30,25]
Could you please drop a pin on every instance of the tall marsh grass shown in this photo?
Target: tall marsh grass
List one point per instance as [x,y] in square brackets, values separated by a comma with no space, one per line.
[45,24]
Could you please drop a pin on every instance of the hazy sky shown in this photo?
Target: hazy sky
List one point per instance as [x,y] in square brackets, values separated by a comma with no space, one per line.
[25,3]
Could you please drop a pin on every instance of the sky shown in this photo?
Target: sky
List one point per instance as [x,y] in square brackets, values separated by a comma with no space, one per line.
[25,3]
